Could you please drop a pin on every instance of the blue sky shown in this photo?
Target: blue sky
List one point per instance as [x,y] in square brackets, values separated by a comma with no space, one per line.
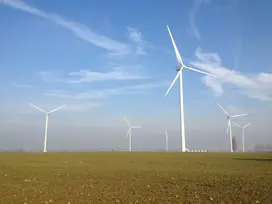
[107,59]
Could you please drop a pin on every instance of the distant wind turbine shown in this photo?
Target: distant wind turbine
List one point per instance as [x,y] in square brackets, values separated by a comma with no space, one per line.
[166,140]
[129,132]
[229,117]
[180,67]
[46,122]
[243,133]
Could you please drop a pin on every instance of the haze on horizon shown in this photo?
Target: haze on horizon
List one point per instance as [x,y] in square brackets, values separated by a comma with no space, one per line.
[106,60]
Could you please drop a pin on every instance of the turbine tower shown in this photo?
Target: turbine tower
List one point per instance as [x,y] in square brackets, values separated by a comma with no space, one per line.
[129,132]
[243,133]
[46,122]
[180,67]
[229,117]
[166,141]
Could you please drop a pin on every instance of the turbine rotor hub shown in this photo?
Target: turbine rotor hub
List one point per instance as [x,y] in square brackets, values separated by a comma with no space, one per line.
[178,68]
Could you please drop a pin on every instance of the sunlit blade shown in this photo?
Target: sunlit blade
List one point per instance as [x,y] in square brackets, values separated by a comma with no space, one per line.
[136,127]
[196,70]
[236,124]
[37,108]
[234,116]
[127,122]
[57,109]
[175,47]
[228,127]
[127,132]
[223,109]
[247,125]
[175,79]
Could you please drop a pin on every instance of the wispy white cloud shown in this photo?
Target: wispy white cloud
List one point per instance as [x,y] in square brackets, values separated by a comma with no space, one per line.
[24,86]
[255,85]
[79,30]
[51,77]
[136,37]
[87,76]
[105,93]
[192,16]
[117,73]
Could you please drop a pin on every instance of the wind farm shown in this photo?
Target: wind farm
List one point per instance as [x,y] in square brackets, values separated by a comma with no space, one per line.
[103,177]
[144,120]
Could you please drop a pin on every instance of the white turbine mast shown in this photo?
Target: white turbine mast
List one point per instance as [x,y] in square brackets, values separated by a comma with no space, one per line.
[229,117]
[166,140]
[243,133]
[46,122]
[129,132]
[180,67]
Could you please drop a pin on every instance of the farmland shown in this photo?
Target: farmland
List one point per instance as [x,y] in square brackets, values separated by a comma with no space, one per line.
[136,177]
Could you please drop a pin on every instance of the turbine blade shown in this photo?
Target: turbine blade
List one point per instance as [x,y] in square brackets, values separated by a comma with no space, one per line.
[236,124]
[127,121]
[175,47]
[173,82]
[196,70]
[127,132]
[247,125]
[234,116]
[37,108]
[56,109]
[223,109]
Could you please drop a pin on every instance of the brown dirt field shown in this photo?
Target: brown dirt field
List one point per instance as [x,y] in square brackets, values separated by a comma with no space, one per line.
[135,177]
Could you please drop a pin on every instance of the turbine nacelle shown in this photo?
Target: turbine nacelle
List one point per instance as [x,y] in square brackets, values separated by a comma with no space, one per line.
[178,68]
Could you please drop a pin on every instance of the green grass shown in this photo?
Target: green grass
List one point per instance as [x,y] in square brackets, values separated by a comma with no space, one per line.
[121,177]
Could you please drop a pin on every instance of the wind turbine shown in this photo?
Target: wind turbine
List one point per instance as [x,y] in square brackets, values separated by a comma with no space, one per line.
[46,122]
[166,141]
[129,132]
[229,117]
[243,133]
[180,67]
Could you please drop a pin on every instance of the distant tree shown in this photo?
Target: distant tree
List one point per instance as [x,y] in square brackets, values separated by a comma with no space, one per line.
[234,144]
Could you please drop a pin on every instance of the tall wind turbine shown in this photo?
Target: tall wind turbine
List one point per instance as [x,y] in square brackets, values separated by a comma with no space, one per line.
[129,132]
[229,117]
[46,122]
[166,140]
[180,67]
[243,133]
